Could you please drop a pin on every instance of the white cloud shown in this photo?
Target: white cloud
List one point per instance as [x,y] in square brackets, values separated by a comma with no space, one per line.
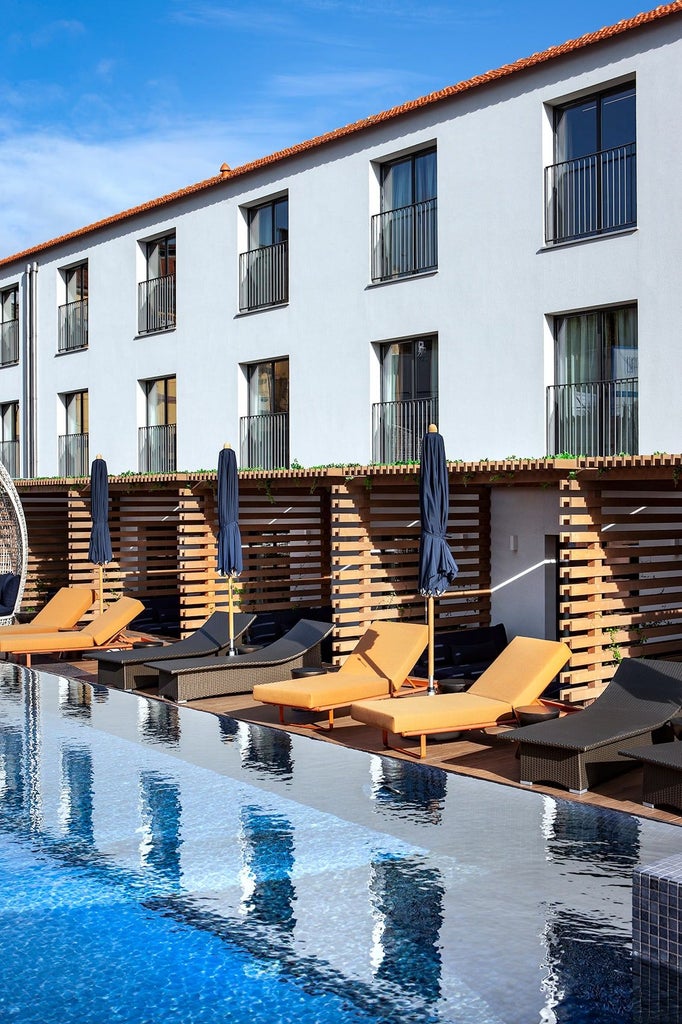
[54,184]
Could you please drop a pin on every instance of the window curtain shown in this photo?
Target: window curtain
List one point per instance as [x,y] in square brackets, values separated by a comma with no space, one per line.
[597,346]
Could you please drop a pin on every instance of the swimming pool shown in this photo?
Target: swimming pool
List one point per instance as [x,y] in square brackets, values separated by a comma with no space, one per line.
[158,864]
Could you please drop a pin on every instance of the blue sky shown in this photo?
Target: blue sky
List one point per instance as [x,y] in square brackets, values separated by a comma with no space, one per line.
[106,105]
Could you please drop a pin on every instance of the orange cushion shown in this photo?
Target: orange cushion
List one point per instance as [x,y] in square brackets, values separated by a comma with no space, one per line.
[447,711]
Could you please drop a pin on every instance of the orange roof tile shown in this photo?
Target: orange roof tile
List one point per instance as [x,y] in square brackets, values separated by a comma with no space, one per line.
[226,174]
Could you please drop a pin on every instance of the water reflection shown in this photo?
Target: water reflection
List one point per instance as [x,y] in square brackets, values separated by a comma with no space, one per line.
[12,791]
[269,751]
[158,722]
[400,790]
[75,698]
[407,900]
[591,842]
[160,814]
[657,994]
[267,850]
[76,801]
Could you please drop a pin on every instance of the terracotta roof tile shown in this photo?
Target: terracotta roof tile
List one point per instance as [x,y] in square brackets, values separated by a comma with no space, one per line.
[227,174]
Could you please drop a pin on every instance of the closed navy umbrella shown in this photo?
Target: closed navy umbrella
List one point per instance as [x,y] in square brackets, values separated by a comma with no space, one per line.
[230,562]
[437,567]
[99,550]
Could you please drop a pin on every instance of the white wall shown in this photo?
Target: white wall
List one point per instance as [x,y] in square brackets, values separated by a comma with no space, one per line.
[488,303]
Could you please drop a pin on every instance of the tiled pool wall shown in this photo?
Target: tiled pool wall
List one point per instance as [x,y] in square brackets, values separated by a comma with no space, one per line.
[657,913]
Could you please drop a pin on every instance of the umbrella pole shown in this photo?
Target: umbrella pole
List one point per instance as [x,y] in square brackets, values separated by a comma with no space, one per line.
[431,688]
[101,589]
[230,608]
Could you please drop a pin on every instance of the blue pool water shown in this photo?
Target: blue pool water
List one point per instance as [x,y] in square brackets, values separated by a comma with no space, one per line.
[159,865]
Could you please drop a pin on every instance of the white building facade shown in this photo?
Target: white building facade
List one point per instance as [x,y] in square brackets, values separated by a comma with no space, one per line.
[502,258]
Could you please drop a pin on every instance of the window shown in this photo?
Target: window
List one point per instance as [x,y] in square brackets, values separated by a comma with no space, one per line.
[157,439]
[264,433]
[9,437]
[73,315]
[156,294]
[405,233]
[591,187]
[409,399]
[74,447]
[9,326]
[593,407]
[264,269]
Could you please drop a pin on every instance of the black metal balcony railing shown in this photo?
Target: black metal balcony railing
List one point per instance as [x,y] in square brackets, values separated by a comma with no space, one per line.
[398,429]
[591,195]
[9,342]
[598,418]
[9,456]
[73,326]
[405,241]
[264,276]
[264,441]
[74,451]
[156,449]
[156,304]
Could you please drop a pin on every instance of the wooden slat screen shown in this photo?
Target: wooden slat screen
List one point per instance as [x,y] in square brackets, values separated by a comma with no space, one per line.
[621,573]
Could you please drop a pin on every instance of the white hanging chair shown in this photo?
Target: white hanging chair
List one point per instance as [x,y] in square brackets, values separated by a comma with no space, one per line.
[13,546]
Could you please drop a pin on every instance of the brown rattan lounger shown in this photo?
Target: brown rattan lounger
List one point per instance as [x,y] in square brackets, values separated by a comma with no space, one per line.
[129,670]
[193,678]
[582,749]
[661,775]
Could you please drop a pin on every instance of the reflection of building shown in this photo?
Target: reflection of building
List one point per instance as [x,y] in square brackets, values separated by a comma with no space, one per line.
[407,899]
[498,242]
[267,848]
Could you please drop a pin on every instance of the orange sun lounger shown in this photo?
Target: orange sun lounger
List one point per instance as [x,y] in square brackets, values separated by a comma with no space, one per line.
[379,665]
[103,630]
[517,677]
[62,611]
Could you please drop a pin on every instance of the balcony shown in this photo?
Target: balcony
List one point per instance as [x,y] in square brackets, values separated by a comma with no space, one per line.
[156,304]
[74,454]
[398,429]
[405,241]
[9,342]
[156,449]
[73,326]
[9,456]
[591,195]
[598,418]
[264,276]
[264,441]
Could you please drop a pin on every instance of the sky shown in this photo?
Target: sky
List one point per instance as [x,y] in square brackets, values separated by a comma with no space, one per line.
[106,105]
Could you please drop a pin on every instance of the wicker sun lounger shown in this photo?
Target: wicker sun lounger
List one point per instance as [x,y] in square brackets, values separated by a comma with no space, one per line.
[194,678]
[130,670]
[580,750]
[661,773]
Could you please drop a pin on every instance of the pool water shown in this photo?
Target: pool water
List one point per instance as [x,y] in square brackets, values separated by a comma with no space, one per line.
[159,864]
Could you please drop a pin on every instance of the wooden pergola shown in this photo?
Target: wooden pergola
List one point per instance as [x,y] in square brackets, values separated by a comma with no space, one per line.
[347,539]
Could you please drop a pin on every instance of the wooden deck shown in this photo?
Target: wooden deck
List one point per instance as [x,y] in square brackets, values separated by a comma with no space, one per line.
[479,754]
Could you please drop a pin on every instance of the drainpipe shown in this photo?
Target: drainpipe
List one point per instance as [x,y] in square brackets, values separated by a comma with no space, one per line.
[30,372]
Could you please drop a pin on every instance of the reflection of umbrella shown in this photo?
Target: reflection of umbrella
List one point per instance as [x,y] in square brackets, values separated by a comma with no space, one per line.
[99,551]
[229,539]
[437,567]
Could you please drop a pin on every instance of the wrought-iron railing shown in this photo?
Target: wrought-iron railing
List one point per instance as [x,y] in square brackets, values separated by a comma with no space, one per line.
[599,418]
[9,342]
[73,326]
[9,456]
[74,452]
[264,441]
[156,449]
[405,241]
[156,304]
[264,276]
[398,429]
[591,194]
